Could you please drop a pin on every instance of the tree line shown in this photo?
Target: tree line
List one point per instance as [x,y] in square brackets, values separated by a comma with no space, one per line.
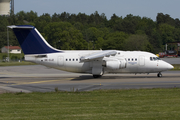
[81,32]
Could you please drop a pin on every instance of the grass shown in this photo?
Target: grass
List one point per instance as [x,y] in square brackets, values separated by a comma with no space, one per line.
[16,63]
[11,56]
[134,104]
[176,67]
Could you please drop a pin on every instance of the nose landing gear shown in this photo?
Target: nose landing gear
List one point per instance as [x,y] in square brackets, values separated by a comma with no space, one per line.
[159,74]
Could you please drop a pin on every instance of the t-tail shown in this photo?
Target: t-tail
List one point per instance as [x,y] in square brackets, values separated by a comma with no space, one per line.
[31,41]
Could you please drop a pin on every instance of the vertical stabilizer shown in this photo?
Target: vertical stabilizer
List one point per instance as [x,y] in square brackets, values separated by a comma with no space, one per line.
[31,41]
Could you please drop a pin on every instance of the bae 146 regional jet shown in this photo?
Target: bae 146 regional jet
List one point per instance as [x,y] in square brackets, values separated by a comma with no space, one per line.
[95,62]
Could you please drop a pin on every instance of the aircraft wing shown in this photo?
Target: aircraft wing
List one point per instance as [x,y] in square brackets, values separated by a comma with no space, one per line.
[99,55]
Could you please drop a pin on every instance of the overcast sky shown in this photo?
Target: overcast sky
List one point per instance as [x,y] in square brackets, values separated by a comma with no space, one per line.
[142,8]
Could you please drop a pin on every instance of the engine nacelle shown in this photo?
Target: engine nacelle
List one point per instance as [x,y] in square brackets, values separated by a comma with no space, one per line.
[115,64]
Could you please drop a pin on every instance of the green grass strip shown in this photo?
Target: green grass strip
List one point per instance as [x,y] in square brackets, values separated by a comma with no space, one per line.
[159,104]
[16,63]
[176,67]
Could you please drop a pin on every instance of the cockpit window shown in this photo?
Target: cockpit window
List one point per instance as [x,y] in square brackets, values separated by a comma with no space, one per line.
[158,58]
[154,58]
[151,58]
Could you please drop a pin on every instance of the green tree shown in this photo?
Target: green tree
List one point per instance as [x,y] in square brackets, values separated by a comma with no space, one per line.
[94,31]
[99,43]
[3,31]
[177,23]
[155,40]
[167,33]
[42,21]
[91,36]
[177,34]
[55,17]
[63,35]
[82,18]
[21,16]
[115,40]
[32,16]
[129,24]
[146,25]
[137,42]
[161,18]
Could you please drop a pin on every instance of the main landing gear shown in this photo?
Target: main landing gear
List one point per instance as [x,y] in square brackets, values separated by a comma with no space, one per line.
[159,74]
[97,76]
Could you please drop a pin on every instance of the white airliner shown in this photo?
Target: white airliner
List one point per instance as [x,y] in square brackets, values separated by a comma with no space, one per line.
[95,62]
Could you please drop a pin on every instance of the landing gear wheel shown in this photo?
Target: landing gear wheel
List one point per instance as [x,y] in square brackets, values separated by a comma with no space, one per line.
[159,75]
[97,76]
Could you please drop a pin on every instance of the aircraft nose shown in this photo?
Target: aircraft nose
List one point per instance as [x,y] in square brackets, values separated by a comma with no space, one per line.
[165,66]
[170,66]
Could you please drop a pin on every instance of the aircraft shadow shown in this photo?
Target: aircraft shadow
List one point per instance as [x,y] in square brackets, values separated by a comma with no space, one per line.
[83,77]
[4,77]
[90,77]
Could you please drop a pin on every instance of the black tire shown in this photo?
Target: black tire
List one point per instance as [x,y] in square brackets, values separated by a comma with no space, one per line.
[97,76]
[159,75]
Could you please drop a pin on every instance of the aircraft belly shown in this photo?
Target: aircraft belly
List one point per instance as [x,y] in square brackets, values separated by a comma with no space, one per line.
[78,67]
[85,66]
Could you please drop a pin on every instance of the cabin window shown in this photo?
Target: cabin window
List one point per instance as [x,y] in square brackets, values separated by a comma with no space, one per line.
[128,59]
[132,59]
[69,59]
[66,59]
[73,59]
[135,59]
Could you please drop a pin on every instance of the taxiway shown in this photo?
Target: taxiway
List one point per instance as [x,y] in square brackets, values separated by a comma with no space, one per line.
[42,79]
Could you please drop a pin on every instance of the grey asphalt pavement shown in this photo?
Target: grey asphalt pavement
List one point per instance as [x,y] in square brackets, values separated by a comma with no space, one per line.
[40,78]
[172,60]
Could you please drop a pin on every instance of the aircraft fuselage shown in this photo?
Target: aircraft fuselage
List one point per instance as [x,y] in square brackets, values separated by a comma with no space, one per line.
[133,62]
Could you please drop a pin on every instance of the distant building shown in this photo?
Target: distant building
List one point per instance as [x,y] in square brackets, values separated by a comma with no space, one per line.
[12,49]
[5,7]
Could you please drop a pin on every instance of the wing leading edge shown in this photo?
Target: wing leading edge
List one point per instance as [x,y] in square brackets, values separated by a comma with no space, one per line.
[99,55]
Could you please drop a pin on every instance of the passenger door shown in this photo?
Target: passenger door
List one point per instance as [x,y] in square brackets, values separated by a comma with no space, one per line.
[141,61]
[61,61]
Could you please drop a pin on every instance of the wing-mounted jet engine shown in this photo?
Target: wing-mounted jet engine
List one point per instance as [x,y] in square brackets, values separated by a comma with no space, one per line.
[115,64]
